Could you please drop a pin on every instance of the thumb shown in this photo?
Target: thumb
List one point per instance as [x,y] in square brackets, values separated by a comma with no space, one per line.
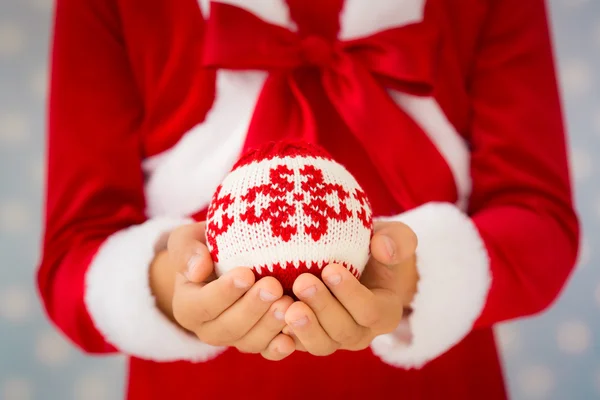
[393,243]
[189,253]
[393,262]
[199,266]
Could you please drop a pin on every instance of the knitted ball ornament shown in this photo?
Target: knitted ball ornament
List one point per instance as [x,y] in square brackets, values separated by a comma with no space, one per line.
[286,209]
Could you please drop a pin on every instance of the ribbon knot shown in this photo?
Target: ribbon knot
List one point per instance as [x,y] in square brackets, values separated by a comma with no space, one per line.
[355,77]
[317,51]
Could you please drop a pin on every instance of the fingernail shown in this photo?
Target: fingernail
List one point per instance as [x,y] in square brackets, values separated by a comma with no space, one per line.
[240,283]
[193,263]
[390,246]
[308,292]
[300,322]
[334,279]
[280,315]
[266,296]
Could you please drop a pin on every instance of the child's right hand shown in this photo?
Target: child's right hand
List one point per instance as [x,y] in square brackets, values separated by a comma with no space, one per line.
[232,310]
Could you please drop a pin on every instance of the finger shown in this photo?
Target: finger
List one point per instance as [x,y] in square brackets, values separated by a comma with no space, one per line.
[279,348]
[331,314]
[235,322]
[393,243]
[196,303]
[270,325]
[189,253]
[367,307]
[309,332]
[288,331]
[392,265]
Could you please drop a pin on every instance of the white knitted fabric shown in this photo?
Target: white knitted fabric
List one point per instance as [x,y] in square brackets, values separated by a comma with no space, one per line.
[289,209]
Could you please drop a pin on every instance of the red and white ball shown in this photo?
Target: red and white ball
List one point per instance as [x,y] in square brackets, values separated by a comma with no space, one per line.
[287,209]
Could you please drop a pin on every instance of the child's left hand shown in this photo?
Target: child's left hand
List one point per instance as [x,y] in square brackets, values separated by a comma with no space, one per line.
[357,311]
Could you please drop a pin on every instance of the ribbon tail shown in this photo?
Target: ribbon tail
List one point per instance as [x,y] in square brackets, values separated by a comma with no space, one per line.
[403,154]
[310,130]
[281,112]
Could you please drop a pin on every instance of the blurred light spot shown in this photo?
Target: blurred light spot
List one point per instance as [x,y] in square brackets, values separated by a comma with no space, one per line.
[575,76]
[585,251]
[14,130]
[581,164]
[15,304]
[38,83]
[42,5]
[536,381]
[91,387]
[17,389]
[509,336]
[573,337]
[12,39]
[51,349]
[37,171]
[14,217]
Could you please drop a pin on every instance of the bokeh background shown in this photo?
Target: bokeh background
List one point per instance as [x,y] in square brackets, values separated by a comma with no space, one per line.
[552,356]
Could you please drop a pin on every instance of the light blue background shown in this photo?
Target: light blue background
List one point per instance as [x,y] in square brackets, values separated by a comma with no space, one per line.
[554,356]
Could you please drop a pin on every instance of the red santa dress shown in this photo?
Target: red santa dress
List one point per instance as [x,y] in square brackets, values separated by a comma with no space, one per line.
[446,111]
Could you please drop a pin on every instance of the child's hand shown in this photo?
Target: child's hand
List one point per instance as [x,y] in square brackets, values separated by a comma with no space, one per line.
[322,323]
[232,310]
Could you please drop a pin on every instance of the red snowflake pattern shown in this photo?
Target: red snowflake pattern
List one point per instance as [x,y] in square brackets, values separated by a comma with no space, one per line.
[279,201]
[364,215]
[223,204]
[278,211]
[317,208]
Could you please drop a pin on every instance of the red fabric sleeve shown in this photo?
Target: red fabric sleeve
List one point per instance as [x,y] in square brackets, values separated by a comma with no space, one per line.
[521,201]
[94,181]
[512,253]
[109,108]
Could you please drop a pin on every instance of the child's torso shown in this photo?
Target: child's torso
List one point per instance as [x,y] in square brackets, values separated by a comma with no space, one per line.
[196,117]
[195,123]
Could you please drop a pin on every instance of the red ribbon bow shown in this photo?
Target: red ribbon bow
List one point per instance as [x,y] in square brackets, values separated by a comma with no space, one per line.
[354,75]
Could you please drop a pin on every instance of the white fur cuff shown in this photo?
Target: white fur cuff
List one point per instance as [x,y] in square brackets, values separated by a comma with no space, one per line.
[121,304]
[454,280]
